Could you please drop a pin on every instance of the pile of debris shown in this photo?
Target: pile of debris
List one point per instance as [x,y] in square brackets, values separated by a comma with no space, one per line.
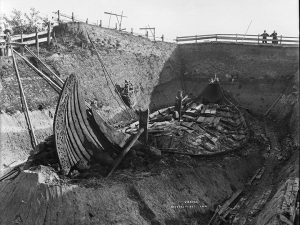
[203,129]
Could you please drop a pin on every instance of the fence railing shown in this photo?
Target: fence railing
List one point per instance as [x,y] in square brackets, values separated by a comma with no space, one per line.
[25,39]
[239,38]
[63,17]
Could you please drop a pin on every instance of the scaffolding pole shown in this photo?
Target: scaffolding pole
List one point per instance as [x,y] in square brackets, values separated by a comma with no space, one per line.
[24,103]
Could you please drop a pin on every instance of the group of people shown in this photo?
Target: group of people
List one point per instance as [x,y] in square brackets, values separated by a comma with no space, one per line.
[273,35]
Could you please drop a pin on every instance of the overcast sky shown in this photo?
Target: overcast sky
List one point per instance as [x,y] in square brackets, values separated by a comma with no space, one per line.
[179,17]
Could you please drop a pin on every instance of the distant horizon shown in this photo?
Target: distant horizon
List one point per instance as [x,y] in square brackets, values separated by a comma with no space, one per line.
[177,18]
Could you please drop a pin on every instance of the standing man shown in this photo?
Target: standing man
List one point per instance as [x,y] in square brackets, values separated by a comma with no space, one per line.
[264,35]
[274,35]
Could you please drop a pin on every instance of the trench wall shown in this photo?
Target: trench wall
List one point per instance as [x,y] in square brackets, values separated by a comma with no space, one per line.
[254,75]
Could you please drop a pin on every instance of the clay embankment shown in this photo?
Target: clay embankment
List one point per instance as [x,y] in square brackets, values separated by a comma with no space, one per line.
[254,75]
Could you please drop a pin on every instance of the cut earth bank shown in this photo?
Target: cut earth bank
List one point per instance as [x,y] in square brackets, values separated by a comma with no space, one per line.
[255,76]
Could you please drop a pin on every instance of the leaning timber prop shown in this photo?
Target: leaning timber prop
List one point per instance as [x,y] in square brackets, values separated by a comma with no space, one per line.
[58,80]
[81,133]
[24,103]
[50,81]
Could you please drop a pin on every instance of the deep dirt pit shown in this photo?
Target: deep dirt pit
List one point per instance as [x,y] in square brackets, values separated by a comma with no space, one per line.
[170,190]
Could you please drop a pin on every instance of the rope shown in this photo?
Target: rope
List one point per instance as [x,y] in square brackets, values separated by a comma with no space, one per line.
[106,74]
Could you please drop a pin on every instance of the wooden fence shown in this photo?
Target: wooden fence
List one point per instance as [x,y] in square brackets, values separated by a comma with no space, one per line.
[26,39]
[63,17]
[239,38]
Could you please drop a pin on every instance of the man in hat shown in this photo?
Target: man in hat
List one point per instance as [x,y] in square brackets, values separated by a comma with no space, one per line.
[274,35]
[264,35]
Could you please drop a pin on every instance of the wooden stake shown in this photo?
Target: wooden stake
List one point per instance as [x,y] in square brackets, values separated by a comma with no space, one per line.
[126,150]
[49,34]
[24,103]
[41,74]
[37,41]
[143,123]
[60,81]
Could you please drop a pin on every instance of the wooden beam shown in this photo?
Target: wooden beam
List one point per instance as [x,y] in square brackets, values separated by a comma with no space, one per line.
[41,74]
[143,123]
[126,150]
[24,103]
[60,81]
[49,33]
[37,41]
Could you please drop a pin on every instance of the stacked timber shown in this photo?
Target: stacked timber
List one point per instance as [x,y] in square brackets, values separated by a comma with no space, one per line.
[204,129]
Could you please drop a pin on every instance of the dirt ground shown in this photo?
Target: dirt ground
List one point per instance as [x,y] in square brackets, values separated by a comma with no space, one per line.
[172,189]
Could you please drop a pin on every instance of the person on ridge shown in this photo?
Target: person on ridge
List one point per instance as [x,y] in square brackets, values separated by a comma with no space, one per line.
[274,35]
[264,35]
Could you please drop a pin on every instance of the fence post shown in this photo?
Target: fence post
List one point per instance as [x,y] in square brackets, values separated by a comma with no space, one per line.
[37,41]
[258,39]
[73,16]
[116,26]
[49,34]
[87,21]
[100,23]
[216,37]
[22,48]
[280,39]
[196,38]
[143,123]
[162,38]
[131,31]
[58,16]
[22,36]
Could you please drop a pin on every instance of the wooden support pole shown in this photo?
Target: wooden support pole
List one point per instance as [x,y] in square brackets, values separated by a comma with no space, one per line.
[49,34]
[87,20]
[179,104]
[280,39]
[143,123]
[41,74]
[100,23]
[37,41]
[273,104]
[24,104]
[126,150]
[22,36]
[72,16]
[22,48]
[60,81]
[58,16]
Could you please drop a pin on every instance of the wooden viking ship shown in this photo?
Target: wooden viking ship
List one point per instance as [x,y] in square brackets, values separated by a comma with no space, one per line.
[80,132]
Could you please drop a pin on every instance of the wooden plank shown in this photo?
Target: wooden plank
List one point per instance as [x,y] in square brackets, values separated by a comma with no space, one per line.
[143,123]
[126,150]
[59,126]
[24,104]
[40,73]
[114,136]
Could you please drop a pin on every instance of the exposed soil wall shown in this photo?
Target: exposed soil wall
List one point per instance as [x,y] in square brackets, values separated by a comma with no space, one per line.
[40,197]
[255,75]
